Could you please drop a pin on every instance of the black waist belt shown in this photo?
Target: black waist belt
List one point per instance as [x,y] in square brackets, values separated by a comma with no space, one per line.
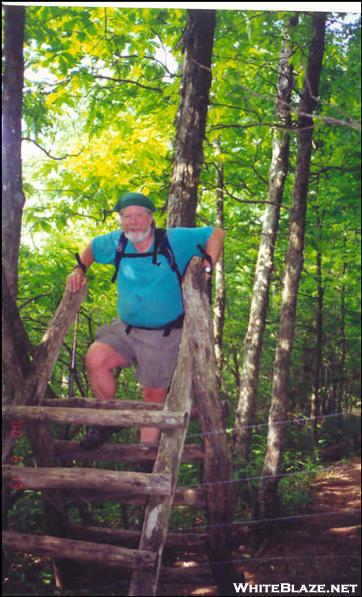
[173,325]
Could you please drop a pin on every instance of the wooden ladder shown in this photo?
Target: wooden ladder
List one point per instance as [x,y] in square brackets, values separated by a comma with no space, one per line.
[159,485]
[158,489]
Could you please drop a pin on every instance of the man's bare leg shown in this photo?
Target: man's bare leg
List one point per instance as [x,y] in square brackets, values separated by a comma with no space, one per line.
[151,435]
[101,359]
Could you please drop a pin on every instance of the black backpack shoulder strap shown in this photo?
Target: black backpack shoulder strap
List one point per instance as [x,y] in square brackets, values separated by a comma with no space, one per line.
[205,255]
[121,246]
[163,247]
[159,240]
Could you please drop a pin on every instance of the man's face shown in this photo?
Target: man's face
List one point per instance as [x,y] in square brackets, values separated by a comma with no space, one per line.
[136,223]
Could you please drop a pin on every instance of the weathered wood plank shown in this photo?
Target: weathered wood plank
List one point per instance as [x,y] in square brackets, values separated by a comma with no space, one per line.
[130,538]
[85,478]
[82,416]
[112,404]
[193,498]
[134,453]
[102,404]
[194,575]
[47,351]
[84,551]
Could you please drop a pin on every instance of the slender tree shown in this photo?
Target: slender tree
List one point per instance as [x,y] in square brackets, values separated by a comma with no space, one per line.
[191,117]
[13,196]
[267,496]
[220,292]
[259,303]
[342,340]
[315,399]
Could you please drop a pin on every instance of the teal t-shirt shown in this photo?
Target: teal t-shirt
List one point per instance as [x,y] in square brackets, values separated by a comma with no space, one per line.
[150,295]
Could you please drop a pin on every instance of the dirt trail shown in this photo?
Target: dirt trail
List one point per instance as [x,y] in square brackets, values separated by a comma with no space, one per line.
[322,546]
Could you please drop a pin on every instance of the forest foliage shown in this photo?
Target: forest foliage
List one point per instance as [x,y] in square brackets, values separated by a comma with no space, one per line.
[100,99]
[102,89]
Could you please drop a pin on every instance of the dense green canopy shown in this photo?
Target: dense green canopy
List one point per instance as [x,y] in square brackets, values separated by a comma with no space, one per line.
[101,95]
[100,112]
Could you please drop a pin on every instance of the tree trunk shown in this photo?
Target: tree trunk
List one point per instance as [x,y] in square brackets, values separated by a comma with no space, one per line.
[235,368]
[315,402]
[191,118]
[342,341]
[13,197]
[12,188]
[220,293]
[16,347]
[267,496]
[259,304]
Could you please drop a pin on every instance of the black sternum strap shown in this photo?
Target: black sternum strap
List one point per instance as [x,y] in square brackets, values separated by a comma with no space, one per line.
[120,256]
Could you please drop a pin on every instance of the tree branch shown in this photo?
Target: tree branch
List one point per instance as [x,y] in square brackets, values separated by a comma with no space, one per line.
[68,155]
[122,81]
[249,201]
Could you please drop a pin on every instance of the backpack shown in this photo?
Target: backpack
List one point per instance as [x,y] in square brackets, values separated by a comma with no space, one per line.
[161,247]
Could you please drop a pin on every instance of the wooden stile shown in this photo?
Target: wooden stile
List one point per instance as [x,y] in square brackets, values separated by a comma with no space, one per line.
[157,491]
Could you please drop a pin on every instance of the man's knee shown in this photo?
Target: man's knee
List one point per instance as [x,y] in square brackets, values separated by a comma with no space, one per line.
[102,356]
[95,357]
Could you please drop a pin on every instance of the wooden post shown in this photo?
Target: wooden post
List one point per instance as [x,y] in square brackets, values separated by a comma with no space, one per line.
[47,351]
[217,463]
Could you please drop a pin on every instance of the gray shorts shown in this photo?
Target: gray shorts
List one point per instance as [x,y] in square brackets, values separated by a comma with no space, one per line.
[154,354]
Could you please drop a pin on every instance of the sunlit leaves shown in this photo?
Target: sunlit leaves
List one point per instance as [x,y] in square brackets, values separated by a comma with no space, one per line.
[103,88]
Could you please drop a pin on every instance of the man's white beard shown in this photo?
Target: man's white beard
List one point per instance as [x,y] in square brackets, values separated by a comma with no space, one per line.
[138,237]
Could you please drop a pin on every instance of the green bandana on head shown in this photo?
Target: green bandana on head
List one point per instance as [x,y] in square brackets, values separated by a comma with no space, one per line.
[133,199]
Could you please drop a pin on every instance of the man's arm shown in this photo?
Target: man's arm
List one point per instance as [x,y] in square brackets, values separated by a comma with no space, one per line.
[77,279]
[214,245]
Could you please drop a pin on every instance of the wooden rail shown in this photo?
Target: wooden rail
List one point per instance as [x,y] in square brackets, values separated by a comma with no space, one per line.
[87,478]
[81,416]
[84,551]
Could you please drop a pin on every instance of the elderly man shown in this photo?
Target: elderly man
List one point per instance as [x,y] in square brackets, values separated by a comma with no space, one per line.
[149,265]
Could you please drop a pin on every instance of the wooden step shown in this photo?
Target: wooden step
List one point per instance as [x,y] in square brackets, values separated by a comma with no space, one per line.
[122,404]
[87,479]
[101,404]
[194,498]
[130,538]
[84,551]
[122,452]
[193,575]
[107,418]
